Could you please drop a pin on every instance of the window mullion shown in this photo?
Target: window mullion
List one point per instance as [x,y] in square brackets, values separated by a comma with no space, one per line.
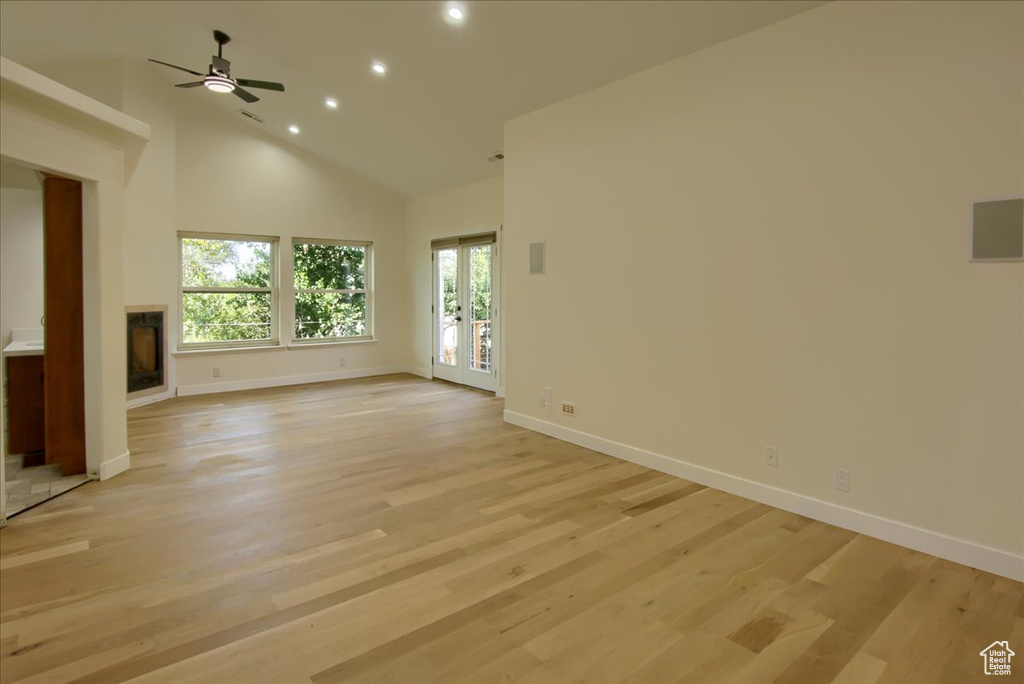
[227,290]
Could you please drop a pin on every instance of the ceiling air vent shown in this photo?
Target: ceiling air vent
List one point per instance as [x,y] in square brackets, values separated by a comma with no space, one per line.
[497,156]
[249,115]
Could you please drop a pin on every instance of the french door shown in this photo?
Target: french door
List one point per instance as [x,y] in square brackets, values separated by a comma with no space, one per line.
[465,311]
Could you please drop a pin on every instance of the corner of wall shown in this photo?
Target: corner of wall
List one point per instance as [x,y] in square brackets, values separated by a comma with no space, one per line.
[114,466]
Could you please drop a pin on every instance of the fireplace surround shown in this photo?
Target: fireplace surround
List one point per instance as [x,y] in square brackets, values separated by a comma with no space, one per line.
[147,349]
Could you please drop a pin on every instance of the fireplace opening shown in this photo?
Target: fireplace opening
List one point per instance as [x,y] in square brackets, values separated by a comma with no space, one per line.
[146,349]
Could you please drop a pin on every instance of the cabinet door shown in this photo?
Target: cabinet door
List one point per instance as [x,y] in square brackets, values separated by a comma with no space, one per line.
[25,408]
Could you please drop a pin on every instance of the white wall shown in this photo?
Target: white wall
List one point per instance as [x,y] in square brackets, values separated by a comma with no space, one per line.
[57,139]
[102,80]
[765,243]
[21,260]
[233,177]
[206,170]
[150,271]
[473,208]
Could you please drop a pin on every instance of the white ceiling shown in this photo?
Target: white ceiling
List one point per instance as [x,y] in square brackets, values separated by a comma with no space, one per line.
[431,122]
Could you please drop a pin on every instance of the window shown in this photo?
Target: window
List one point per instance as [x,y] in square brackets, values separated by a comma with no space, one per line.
[228,290]
[333,298]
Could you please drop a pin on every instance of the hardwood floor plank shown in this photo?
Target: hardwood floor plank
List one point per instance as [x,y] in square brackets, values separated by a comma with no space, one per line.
[9,562]
[347,669]
[760,632]
[664,499]
[862,669]
[868,604]
[394,529]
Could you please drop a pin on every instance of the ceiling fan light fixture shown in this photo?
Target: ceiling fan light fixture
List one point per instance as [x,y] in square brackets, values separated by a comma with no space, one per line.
[219,77]
[219,84]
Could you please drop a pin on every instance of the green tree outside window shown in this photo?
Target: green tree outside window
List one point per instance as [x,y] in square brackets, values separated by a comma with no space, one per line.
[331,290]
[227,290]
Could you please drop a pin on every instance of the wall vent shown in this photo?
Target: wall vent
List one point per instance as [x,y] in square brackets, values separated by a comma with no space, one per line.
[249,115]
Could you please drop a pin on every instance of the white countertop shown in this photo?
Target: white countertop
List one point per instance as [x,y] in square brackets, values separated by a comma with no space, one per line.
[25,342]
[22,348]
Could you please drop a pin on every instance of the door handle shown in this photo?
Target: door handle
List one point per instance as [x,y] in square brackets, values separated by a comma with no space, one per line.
[458,318]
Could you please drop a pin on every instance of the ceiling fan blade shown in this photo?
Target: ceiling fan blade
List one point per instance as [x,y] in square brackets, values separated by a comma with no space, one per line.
[265,85]
[194,84]
[245,95]
[195,73]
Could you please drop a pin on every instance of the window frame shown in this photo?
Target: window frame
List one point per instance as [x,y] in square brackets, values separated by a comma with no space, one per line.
[275,339]
[367,291]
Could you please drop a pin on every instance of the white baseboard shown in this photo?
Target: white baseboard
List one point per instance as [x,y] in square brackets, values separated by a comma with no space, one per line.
[421,372]
[115,466]
[968,553]
[281,381]
[152,399]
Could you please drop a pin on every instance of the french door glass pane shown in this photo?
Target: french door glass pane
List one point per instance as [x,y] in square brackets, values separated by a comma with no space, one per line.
[480,308]
[448,305]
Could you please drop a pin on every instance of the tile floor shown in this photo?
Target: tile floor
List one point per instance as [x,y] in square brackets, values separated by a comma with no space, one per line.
[26,487]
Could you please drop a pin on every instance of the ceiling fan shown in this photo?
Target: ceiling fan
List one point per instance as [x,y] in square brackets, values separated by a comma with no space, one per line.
[219,79]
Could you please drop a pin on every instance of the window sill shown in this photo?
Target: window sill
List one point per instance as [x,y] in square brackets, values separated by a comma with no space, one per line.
[230,350]
[329,343]
[271,347]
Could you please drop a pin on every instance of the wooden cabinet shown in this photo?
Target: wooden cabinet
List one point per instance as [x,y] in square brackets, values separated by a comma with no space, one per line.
[25,404]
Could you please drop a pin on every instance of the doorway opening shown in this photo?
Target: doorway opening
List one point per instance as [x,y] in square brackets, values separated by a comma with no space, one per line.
[42,321]
[465,309]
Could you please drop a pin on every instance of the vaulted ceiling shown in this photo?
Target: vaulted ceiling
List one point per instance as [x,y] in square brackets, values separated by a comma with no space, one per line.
[432,120]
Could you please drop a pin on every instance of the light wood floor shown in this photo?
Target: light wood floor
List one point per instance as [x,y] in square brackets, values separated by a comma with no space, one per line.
[394,529]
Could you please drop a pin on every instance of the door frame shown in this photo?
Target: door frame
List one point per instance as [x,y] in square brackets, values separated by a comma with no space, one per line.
[73,418]
[60,131]
[64,355]
[495,384]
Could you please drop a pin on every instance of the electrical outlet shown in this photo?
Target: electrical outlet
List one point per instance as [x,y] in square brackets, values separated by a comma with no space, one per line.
[547,408]
[771,456]
[569,409]
[216,372]
[547,394]
[342,362]
[842,480]
[540,399]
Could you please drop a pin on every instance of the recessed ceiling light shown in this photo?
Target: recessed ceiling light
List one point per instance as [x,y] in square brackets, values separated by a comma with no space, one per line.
[331,103]
[293,129]
[455,13]
[380,68]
